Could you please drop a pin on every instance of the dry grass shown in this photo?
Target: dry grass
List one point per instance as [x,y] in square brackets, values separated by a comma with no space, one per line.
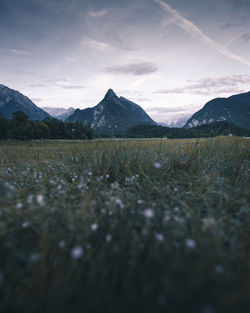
[125,226]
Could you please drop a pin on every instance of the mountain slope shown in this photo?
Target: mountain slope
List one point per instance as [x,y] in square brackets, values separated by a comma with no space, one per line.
[59,113]
[113,115]
[12,101]
[235,109]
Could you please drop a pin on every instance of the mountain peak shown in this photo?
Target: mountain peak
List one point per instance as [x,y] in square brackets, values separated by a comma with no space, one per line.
[110,94]
[2,86]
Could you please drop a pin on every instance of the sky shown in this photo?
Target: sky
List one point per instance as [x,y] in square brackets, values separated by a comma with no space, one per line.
[168,56]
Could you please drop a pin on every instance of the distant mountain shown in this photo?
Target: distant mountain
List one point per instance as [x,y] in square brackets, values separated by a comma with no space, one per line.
[177,122]
[113,115]
[12,101]
[235,109]
[59,113]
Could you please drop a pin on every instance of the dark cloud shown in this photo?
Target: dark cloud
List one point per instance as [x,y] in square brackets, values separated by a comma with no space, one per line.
[136,69]
[208,86]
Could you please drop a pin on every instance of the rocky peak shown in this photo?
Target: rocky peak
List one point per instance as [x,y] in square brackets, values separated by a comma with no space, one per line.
[2,87]
[110,94]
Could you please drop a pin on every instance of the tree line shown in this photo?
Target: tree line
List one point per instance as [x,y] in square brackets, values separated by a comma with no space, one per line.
[19,127]
[207,130]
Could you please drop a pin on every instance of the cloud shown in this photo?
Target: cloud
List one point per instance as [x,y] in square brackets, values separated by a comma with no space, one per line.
[97,14]
[136,69]
[245,37]
[37,85]
[193,30]
[95,44]
[209,85]
[37,100]
[70,86]
[17,52]
[137,100]
[155,110]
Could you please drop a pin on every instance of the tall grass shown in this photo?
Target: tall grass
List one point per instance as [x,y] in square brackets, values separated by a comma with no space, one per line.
[125,226]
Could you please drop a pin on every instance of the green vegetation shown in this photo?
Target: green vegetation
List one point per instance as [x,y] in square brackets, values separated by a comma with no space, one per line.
[125,226]
[19,127]
[204,131]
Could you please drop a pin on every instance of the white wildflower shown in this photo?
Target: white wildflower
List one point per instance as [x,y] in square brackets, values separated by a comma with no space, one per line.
[25,224]
[61,244]
[76,252]
[94,227]
[108,238]
[40,200]
[159,237]
[34,257]
[157,165]
[149,213]
[190,243]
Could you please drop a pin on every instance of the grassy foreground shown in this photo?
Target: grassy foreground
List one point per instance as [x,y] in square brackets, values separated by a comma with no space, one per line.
[136,226]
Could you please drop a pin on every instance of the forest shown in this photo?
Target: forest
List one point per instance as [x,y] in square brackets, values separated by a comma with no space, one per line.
[19,127]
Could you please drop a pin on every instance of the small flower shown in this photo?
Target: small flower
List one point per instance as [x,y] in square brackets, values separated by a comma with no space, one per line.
[94,227]
[149,213]
[40,200]
[157,165]
[30,199]
[175,189]
[139,202]
[167,218]
[219,269]
[1,278]
[25,224]
[76,252]
[34,257]
[190,243]
[19,205]
[61,244]
[119,203]
[159,237]
[176,209]
[208,309]
[108,238]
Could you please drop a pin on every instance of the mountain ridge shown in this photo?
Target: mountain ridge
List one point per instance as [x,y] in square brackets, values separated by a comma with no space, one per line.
[12,101]
[235,109]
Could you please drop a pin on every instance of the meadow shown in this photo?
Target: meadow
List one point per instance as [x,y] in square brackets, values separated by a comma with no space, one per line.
[125,226]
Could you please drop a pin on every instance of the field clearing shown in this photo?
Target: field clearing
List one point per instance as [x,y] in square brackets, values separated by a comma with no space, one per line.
[125,226]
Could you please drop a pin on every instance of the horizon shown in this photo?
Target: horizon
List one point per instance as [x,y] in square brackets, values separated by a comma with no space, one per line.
[170,57]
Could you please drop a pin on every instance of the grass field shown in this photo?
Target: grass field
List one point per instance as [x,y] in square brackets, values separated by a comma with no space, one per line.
[125,226]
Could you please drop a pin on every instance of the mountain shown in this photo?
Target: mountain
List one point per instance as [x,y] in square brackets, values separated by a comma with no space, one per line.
[235,109]
[177,122]
[12,101]
[113,115]
[59,113]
